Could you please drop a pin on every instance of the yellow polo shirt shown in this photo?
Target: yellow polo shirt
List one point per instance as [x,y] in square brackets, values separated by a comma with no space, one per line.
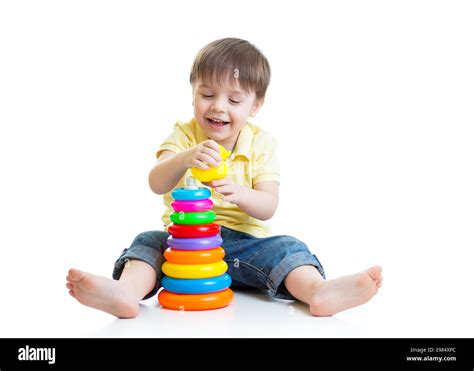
[253,160]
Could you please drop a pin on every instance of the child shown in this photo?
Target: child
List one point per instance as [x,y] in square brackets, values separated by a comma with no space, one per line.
[229,79]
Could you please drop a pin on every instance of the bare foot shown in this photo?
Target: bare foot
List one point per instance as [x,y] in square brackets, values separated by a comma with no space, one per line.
[346,292]
[102,293]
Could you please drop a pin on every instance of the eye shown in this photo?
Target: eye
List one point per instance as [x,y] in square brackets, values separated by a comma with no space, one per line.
[207,96]
[234,101]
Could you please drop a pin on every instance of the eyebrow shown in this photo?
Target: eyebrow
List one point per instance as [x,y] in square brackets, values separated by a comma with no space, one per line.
[210,87]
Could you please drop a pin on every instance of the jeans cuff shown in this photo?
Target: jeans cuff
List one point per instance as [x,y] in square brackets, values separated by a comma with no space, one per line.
[279,273]
[146,254]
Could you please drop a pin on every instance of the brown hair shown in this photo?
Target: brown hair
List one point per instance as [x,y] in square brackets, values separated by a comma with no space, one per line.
[234,59]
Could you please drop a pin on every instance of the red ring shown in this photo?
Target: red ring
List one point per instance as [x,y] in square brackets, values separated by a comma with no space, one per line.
[192,231]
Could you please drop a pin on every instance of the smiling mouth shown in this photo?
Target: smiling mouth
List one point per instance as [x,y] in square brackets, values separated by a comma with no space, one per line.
[216,122]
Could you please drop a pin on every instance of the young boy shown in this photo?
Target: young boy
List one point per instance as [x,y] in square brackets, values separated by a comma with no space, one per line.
[229,79]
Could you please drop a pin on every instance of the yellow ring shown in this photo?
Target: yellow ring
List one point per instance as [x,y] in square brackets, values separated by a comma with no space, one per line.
[194,270]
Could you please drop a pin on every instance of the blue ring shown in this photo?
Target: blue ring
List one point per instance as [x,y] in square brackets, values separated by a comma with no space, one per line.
[196,286]
[182,194]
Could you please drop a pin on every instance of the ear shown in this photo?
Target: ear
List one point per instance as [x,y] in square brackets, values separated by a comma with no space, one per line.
[192,92]
[256,106]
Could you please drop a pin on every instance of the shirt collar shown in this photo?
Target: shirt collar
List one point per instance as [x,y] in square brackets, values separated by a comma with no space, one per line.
[242,147]
[244,141]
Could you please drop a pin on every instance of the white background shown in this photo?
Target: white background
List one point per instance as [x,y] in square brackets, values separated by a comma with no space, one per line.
[372,106]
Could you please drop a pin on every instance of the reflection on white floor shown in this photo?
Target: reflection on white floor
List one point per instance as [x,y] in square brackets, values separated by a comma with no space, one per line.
[251,314]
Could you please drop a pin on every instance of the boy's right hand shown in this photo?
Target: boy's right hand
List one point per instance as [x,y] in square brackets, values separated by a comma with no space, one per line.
[203,154]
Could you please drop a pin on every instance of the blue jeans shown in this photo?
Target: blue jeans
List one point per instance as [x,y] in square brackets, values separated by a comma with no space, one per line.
[253,262]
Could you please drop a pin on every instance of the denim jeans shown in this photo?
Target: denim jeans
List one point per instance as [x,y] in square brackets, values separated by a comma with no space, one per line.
[261,263]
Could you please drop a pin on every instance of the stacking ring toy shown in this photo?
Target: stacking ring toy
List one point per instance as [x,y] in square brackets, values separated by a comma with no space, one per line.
[190,231]
[203,243]
[201,217]
[194,270]
[213,300]
[192,206]
[183,194]
[194,257]
[200,286]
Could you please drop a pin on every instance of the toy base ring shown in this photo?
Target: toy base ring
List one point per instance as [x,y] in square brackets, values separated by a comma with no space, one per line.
[213,300]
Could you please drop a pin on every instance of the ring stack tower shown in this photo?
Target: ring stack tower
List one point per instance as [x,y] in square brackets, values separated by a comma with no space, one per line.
[195,275]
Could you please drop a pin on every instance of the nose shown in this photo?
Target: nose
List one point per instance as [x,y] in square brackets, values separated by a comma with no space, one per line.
[218,105]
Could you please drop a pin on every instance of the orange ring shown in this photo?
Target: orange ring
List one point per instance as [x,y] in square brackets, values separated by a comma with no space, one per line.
[194,256]
[213,300]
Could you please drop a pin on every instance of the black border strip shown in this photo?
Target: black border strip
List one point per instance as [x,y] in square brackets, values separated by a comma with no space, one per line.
[139,351]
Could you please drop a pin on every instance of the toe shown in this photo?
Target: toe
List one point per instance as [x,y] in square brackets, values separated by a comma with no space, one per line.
[70,286]
[72,293]
[374,272]
[76,275]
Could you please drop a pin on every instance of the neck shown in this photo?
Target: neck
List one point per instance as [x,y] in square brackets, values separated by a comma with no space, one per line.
[229,143]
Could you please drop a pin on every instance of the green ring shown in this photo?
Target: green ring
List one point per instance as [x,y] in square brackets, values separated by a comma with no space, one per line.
[200,217]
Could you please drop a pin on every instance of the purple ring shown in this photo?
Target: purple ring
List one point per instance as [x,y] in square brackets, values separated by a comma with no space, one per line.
[202,243]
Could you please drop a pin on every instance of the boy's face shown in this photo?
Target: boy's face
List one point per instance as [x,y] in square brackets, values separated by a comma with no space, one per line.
[223,110]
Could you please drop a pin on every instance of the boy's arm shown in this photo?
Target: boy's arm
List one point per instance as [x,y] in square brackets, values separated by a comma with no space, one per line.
[167,172]
[170,166]
[260,202]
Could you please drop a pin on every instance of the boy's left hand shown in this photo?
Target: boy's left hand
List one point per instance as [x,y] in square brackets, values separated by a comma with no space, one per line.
[233,193]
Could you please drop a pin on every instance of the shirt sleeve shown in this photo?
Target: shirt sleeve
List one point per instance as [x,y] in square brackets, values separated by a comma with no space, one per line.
[178,141]
[266,164]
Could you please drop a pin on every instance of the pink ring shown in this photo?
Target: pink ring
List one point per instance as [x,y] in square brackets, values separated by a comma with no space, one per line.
[192,206]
